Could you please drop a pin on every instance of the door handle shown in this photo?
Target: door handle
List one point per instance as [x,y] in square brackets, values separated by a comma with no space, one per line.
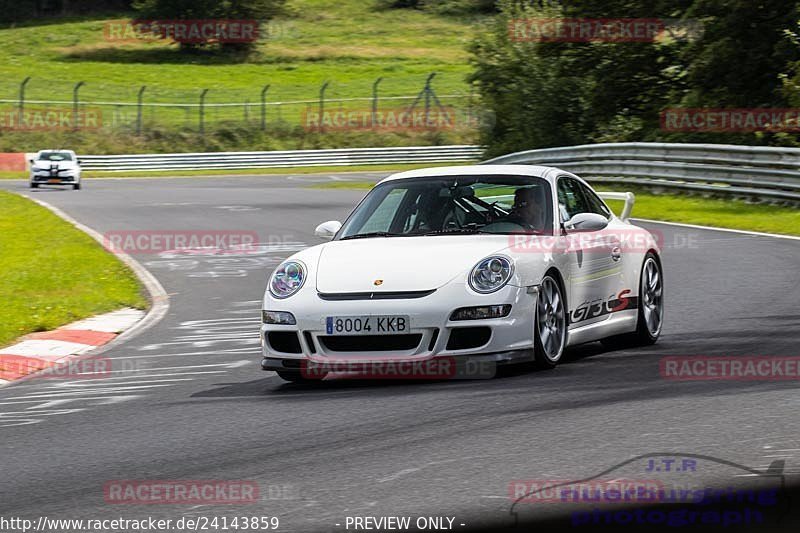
[616,253]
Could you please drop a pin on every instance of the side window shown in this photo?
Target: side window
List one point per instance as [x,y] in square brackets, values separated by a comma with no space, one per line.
[571,200]
[595,204]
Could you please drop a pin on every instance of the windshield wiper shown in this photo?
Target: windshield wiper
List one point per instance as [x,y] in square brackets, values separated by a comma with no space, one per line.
[458,231]
[373,234]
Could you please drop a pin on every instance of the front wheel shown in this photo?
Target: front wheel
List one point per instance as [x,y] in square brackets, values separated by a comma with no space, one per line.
[76,186]
[34,185]
[550,324]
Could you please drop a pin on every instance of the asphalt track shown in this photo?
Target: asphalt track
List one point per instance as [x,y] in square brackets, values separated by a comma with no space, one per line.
[187,399]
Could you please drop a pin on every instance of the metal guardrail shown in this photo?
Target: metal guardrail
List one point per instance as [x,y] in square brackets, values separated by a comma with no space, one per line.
[766,173]
[281,159]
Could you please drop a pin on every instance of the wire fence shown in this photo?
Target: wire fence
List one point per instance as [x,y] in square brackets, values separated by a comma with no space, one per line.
[334,107]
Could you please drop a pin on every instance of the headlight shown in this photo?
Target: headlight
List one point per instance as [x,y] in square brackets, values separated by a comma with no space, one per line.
[491,274]
[36,169]
[287,279]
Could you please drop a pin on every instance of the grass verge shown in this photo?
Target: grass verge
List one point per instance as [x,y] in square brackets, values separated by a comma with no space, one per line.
[715,212]
[53,273]
[719,213]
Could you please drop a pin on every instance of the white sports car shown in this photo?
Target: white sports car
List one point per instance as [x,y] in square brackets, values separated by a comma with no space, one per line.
[499,263]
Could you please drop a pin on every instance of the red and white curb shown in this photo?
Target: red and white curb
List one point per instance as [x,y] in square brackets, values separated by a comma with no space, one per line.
[39,351]
[96,334]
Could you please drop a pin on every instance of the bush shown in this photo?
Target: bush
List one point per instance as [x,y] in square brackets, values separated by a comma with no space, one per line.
[442,7]
[21,10]
[565,93]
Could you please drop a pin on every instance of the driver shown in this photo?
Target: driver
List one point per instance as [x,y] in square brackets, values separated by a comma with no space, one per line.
[528,210]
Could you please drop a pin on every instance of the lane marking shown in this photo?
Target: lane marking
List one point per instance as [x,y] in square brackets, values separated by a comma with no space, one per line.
[232,351]
[199,372]
[235,364]
[94,380]
[727,230]
[79,384]
[72,393]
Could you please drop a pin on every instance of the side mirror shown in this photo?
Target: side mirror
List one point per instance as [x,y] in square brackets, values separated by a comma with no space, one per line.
[79,162]
[31,161]
[328,229]
[586,222]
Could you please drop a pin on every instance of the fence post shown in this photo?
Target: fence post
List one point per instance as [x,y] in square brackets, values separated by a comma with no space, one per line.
[139,99]
[428,97]
[322,105]
[375,101]
[22,98]
[264,107]
[202,112]
[75,116]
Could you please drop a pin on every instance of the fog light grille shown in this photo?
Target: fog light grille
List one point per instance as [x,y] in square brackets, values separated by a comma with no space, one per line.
[466,338]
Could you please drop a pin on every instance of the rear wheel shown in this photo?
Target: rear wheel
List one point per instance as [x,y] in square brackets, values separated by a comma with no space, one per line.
[551,324]
[34,185]
[650,316]
[76,186]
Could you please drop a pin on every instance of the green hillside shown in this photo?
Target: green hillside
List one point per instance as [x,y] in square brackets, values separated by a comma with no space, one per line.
[349,43]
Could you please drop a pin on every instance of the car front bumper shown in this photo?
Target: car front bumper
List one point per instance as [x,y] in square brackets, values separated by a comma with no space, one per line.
[431,334]
[46,178]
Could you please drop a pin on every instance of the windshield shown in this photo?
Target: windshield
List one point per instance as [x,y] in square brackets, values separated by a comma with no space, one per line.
[453,205]
[55,156]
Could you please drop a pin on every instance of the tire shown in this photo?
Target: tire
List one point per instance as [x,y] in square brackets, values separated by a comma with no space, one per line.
[34,185]
[550,324]
[296,377]
[76,186]
[650,314]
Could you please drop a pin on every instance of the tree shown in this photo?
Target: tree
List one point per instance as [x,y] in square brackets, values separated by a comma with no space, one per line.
[558,93]
[20,10]
[260,10]
[741,59]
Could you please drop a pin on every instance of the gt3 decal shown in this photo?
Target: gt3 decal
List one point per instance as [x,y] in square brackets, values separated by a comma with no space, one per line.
[596,308]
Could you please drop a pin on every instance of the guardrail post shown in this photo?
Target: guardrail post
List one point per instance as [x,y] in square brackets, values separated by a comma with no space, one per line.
[322,105]
[75,116]
[375,101]
[264,107]
[139,100]
[22,99]
[202,112]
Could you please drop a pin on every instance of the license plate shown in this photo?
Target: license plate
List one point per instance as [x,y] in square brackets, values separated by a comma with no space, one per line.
[53,181]
[367,325]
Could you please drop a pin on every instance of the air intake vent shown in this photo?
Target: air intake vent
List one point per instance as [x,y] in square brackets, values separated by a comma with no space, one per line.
[284,341]
[405,295]
[466,338]
[370,343]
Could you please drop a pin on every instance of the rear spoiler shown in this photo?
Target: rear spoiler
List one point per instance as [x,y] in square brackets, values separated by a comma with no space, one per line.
[628,197]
